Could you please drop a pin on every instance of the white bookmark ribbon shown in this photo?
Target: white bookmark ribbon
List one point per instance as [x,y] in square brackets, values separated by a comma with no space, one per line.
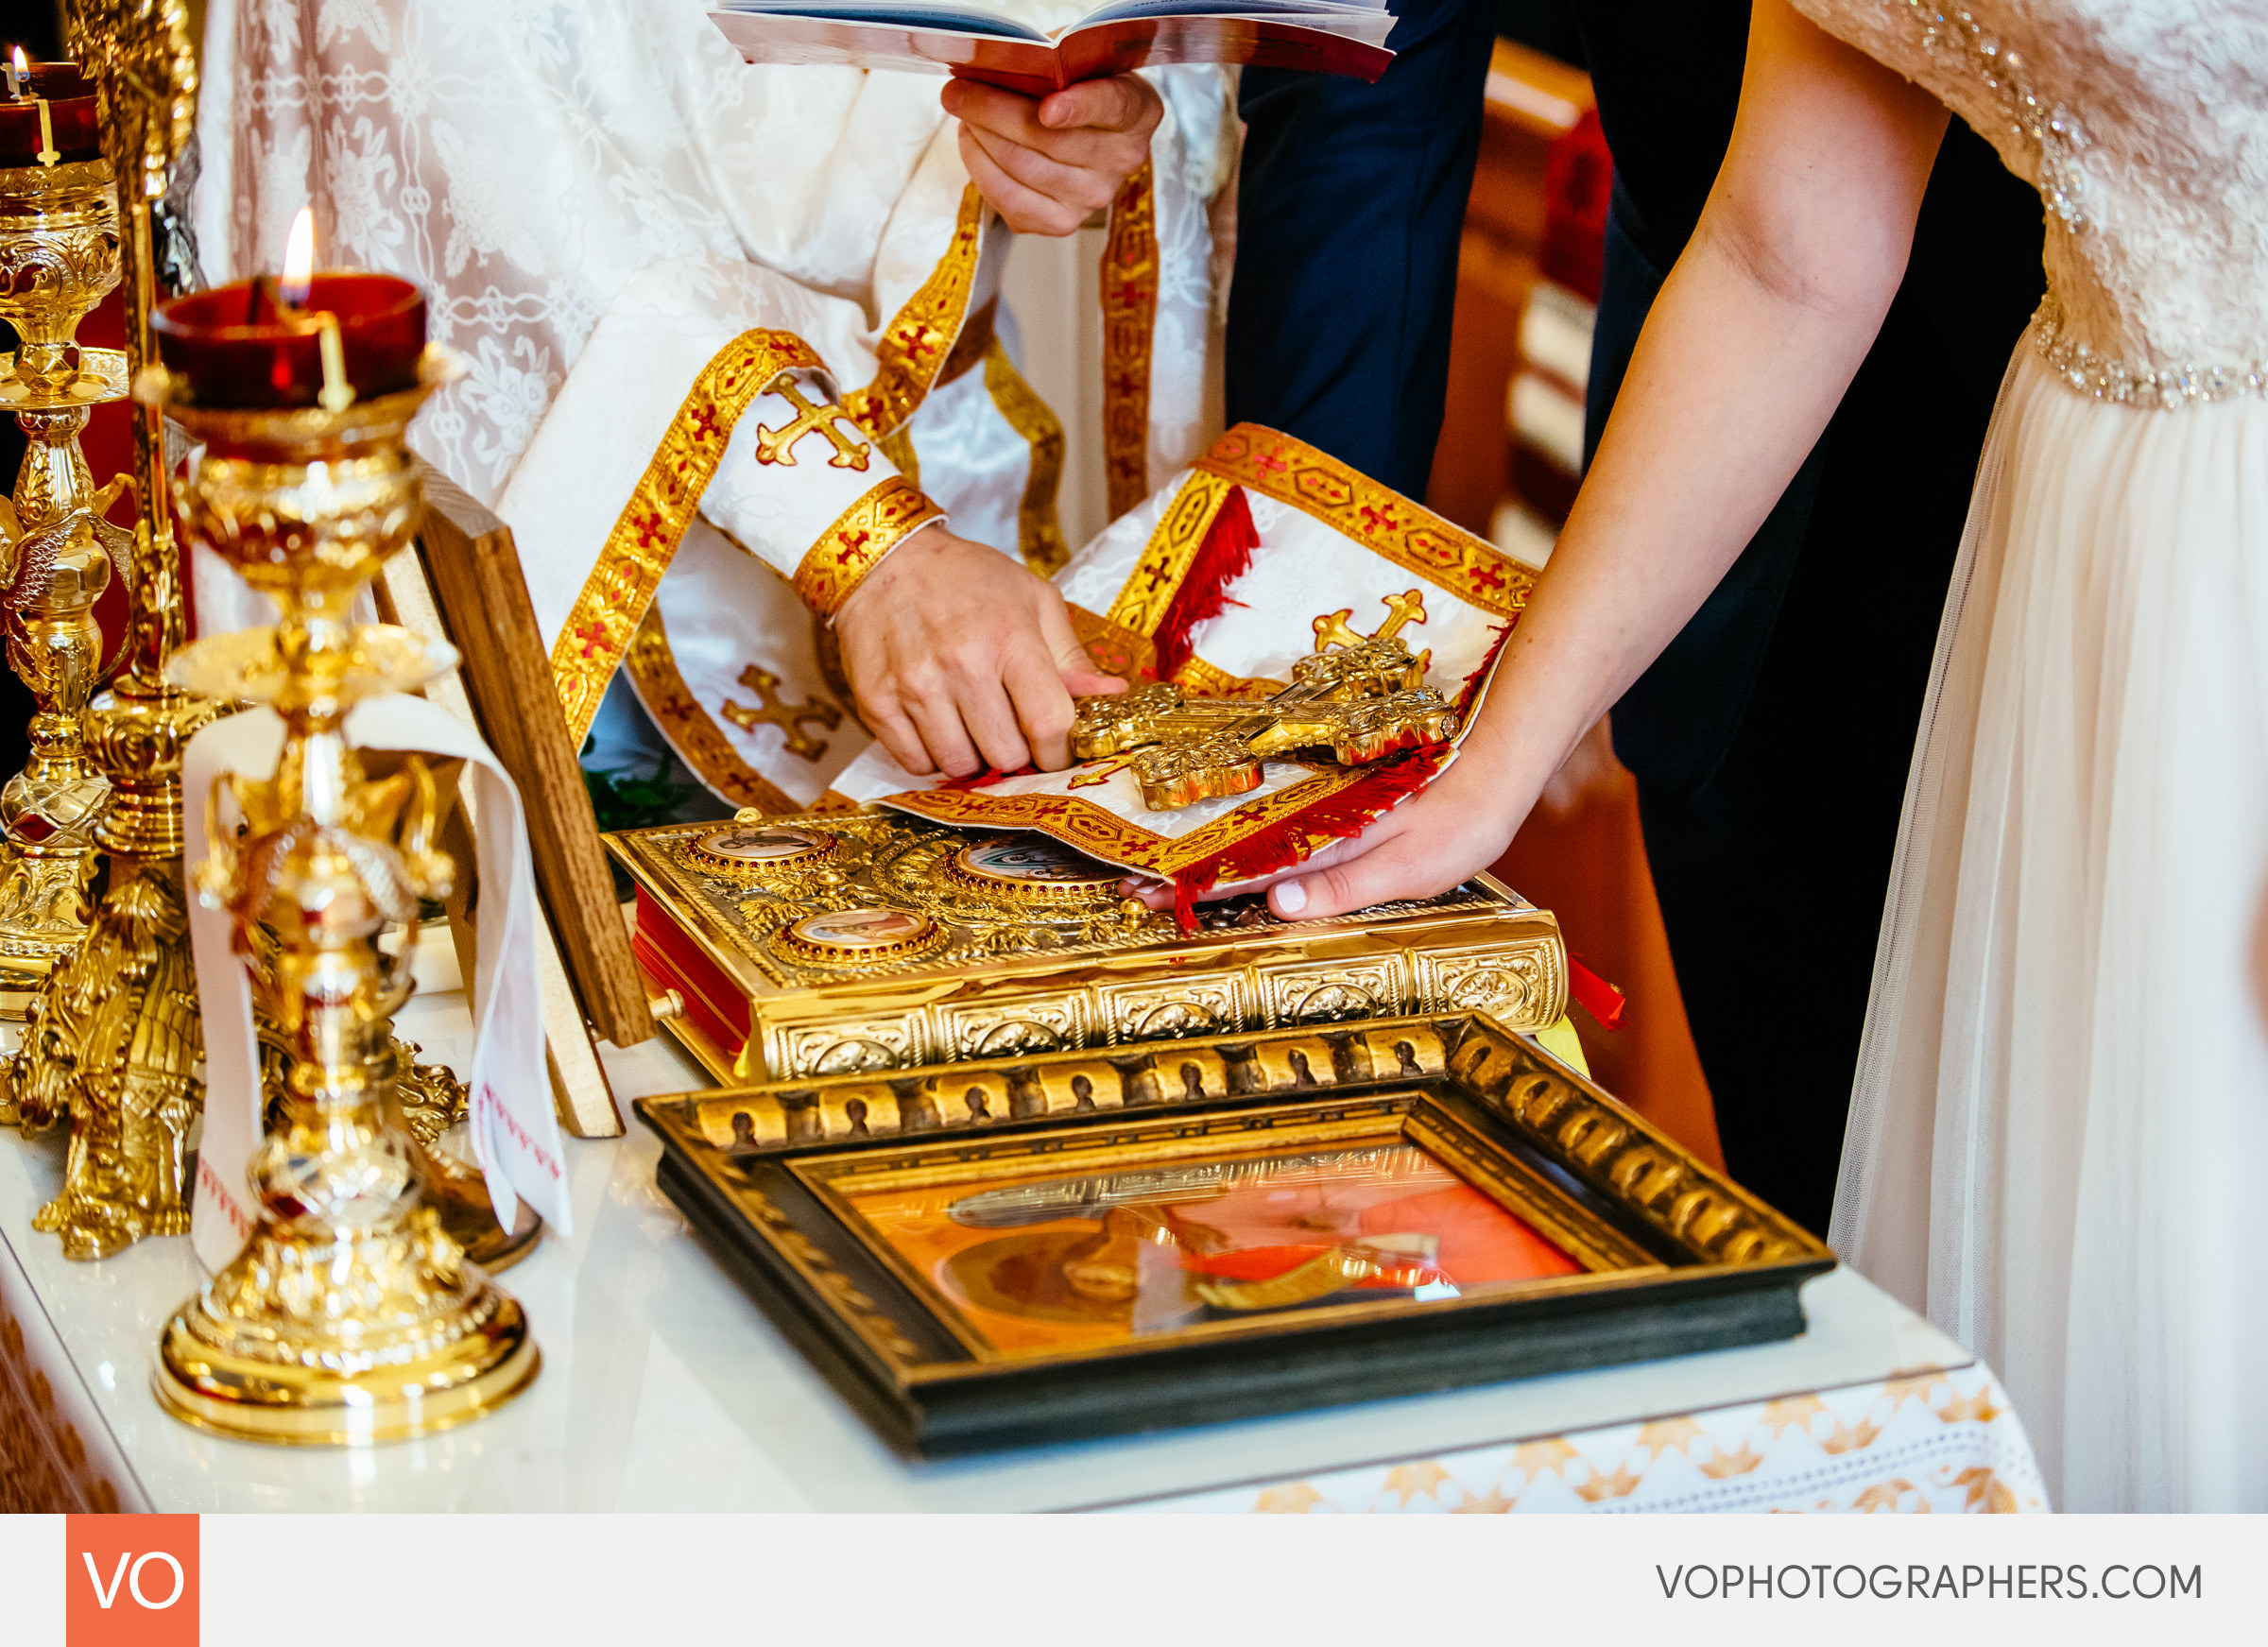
[515,1135]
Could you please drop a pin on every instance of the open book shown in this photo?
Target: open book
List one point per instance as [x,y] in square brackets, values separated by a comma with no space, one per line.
[971,41]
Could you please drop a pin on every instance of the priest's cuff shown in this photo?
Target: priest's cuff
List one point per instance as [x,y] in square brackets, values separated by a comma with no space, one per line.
[839,561]
[807,492]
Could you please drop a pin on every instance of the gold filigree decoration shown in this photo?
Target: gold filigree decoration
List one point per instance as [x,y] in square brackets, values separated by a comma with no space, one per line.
[662,688]
[1129,292]
[108,1048]
[812,418]
[1354,703]
[140,53]
[910,356]
[1166,556]
[774,710]
[882,519]
[1102,833]
[615,597]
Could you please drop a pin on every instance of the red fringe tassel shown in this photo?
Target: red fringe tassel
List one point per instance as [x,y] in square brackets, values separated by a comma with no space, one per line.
[1470,692]
[1224,556]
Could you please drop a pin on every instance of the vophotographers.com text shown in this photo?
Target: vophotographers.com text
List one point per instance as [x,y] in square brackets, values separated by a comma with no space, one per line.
[2023,1582]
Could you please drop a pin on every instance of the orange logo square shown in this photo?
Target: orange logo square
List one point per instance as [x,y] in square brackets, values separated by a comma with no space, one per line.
[131,1580]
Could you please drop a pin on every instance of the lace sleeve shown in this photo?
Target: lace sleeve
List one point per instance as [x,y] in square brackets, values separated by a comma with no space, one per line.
[1947,54]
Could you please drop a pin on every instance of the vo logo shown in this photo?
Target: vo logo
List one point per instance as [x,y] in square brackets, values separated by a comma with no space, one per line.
[131,1581]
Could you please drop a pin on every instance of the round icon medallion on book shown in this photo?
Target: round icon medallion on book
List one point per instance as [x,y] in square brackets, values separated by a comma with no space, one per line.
[857,937]
[1031,869]
[757,851]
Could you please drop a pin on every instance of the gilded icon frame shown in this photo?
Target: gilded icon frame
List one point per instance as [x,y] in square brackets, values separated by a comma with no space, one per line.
[1673,1258]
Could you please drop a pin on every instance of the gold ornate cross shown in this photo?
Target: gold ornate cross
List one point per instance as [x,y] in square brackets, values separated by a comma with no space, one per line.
[1356,699]
[775,710]
[1332,630]
[778,445]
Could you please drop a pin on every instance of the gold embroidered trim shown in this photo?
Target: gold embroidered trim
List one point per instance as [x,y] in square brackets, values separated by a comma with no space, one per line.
[1112,650]
[653,669]
[1104,834]
[638,550]
[911,354]
[1173,542]
[1376,517]
[1129,288]
[880,520]
[1038,533]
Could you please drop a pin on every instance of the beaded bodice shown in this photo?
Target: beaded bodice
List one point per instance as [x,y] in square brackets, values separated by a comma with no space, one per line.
[2145,125]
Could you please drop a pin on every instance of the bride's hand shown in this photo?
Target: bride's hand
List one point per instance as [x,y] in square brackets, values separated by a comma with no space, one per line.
[1046,163]
[1456,827]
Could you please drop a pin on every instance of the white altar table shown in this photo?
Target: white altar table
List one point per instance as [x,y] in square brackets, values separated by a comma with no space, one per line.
[665,1388]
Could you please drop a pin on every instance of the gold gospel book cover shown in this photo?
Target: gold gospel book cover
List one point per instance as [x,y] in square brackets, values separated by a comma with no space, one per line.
[832,942]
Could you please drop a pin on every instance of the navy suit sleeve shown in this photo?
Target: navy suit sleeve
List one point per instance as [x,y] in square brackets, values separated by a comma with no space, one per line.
[1349,211]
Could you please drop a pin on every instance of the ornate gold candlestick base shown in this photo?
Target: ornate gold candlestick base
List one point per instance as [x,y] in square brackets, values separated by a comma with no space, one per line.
[382,1335]
[351,1315]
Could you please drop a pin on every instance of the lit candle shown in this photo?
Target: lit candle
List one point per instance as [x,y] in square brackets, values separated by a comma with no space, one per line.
[263,342]
[49,118]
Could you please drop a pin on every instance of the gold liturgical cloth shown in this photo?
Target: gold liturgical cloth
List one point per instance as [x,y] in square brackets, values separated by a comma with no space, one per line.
[833,942]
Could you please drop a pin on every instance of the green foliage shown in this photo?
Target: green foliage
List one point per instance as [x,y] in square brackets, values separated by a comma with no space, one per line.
[624,801]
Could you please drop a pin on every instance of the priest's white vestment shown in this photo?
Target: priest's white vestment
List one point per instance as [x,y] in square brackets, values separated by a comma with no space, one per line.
[729,329]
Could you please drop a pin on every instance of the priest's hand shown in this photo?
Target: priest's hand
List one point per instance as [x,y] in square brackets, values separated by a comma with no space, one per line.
[961,659]
[1048,163]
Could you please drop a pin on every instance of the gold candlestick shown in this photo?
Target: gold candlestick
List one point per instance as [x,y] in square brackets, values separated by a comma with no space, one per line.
[113,1038]
[59,257]
[351,1315]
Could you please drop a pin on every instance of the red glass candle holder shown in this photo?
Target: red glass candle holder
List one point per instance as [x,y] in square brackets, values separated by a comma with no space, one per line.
[72,129]
[236,347]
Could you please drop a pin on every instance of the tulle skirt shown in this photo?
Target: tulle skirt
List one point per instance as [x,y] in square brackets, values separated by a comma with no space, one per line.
[2058,1143]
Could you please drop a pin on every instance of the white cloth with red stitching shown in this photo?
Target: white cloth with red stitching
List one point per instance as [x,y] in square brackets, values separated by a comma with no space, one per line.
[1302,568]
[515,1135]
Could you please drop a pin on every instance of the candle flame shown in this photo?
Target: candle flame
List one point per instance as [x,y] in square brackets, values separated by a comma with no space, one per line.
[299,260]
[18,72]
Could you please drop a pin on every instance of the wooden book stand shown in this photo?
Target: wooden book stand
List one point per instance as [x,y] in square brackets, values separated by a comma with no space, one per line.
[464,586]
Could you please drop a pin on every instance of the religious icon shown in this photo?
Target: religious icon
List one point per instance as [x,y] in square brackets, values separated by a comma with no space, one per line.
[1446,1204]
[862,935]
[1057,1262]
[851,928]
[1031,858]
[749,844]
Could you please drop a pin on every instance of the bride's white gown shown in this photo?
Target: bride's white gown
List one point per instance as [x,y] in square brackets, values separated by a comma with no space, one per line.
[2058,1143]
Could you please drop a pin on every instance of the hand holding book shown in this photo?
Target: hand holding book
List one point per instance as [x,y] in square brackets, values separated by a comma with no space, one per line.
[978,43]
[1047,164]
